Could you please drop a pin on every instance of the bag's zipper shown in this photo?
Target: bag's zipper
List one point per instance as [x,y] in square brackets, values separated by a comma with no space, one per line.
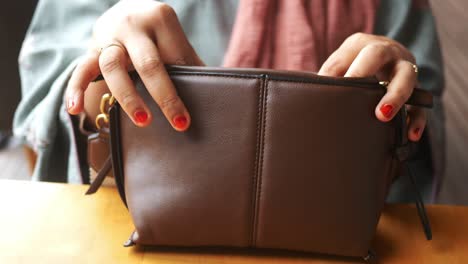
[317,79]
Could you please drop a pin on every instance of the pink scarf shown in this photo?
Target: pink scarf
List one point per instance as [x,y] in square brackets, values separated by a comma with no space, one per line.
[294,34]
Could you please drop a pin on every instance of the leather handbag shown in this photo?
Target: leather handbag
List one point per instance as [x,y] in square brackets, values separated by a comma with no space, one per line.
[273,159]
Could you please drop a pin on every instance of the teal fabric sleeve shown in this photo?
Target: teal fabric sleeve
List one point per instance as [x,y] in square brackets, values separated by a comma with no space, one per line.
[415,28]
[208,25]
[58,35]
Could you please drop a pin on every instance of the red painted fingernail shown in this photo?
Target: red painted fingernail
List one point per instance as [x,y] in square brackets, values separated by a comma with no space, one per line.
[70,103]
[140,116]
[417,130]
[386,110]
[180,121]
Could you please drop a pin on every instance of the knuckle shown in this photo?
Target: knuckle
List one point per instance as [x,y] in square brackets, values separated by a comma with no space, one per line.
[183,61]
[148,66]
[397,67]
[378,49]
[356,37]
[80,69]
[110,60]
[407,65]
[407,68]
[168,102]
[164,12]
[402,51]
[127,19]
[381,50]
[401,96]
[334,66]
[396,50]
[127,100]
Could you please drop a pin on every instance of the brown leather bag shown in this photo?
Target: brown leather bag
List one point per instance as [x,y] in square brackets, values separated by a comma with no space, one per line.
[282,160]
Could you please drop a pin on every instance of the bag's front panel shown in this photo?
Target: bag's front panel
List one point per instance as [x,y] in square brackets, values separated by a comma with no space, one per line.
[195,188]
[325,161]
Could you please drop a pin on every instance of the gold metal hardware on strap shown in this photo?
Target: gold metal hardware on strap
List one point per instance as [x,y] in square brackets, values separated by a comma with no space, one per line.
[107,101]
[384,83]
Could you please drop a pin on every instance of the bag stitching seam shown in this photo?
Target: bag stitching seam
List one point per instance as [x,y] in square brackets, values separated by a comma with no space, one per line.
[261,156]
[256,165]
[212,75]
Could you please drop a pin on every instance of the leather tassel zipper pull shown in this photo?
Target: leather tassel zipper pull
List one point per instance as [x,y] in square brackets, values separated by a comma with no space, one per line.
[100,176]
[131,240]
[102,124]
[420,206]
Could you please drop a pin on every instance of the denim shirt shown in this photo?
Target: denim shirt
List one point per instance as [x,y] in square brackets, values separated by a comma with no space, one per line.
[61,30]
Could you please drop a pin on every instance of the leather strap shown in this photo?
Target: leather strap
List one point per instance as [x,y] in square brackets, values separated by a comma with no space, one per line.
[405,153]
[420,206]
[421,98]
[406,150]
[100,176]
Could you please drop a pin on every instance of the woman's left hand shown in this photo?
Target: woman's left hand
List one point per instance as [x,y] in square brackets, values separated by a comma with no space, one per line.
[363,55]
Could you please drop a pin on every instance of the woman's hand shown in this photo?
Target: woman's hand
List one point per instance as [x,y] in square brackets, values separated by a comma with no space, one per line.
[142,35]
[363,55]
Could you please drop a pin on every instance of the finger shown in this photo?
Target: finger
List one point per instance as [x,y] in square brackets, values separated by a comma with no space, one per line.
[398,91]
[85,72]
[167,30]
[338,63]
[418,119]
[371,59]
[113,62]
[149,65]
[340,60]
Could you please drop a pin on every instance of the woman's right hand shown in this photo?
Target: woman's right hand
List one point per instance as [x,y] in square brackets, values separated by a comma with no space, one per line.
[136,34]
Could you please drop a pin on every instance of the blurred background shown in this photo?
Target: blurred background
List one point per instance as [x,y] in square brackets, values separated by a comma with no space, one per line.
[452,23]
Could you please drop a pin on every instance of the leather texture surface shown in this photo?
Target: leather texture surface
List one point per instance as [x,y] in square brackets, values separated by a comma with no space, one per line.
[273,159]
[98,150]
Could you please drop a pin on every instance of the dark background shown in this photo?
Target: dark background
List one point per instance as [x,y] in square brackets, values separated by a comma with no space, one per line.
[14,20]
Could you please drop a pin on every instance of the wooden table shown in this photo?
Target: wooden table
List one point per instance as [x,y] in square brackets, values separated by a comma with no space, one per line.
[56,223]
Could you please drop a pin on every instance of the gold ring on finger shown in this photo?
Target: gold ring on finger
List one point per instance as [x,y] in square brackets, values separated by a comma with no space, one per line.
[112,45]
[415,68]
